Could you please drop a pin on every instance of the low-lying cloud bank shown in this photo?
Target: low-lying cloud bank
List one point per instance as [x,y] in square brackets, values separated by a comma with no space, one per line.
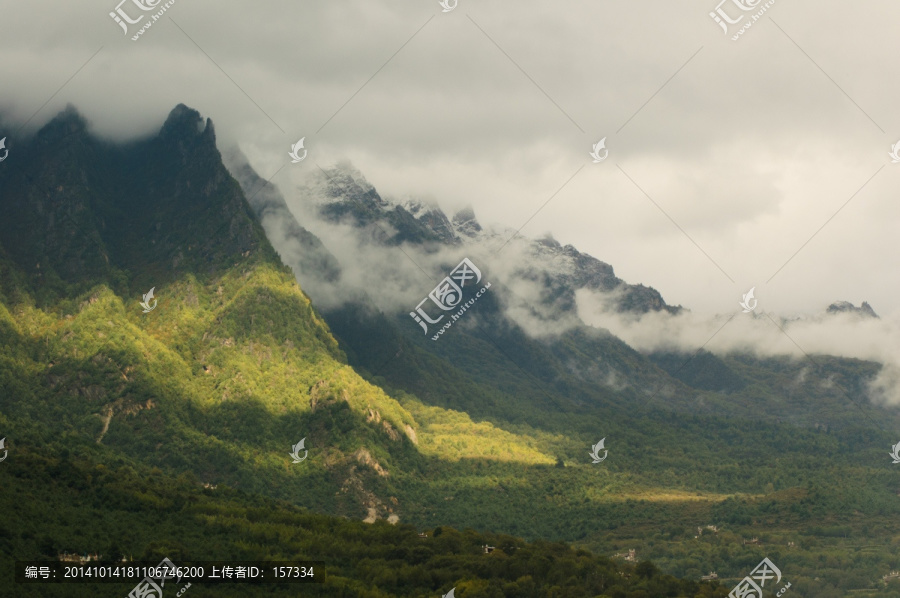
[761,333]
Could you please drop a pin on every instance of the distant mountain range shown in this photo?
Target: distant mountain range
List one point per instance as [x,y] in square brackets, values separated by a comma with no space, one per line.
[489,428]
[341,194]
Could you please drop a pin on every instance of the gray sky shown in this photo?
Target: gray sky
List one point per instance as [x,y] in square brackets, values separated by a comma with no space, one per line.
[749,146]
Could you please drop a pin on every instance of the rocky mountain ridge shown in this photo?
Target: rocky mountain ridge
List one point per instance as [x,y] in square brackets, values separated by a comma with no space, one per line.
[845,307]
[344,195]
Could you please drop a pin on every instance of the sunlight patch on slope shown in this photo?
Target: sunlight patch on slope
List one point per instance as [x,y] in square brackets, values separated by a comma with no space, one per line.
[452,435]
[658,495]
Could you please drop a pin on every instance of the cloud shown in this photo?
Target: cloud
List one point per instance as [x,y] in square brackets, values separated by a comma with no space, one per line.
[761,333]
[742,152]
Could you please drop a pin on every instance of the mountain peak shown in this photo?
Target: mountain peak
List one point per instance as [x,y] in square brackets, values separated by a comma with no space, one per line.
[465,223]
[182,115]
[186,138]
[70,115]
[96,220]
[184,122]
[65,124]
[344,174]
[548,241]
[865,310]
[419,207]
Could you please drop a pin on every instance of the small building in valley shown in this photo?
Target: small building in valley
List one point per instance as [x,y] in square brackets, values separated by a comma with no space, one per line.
[630,556]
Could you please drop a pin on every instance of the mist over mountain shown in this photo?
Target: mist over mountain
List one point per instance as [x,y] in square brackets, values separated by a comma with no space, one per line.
[339,202]
[394,249]
[285,314]
[592,300]
[298,247]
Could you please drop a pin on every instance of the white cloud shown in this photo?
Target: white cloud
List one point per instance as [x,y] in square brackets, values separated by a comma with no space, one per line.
[765,334]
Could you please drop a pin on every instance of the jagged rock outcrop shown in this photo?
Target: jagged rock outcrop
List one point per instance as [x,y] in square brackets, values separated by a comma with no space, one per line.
[865,310]
[343,195]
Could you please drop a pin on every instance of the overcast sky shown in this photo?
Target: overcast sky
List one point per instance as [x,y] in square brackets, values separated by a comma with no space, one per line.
[745,148]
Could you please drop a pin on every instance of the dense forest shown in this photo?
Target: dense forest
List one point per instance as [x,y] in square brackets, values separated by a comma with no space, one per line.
[74,503]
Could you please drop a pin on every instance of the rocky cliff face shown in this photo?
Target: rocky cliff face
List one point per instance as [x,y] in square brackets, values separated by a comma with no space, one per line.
[80,211]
